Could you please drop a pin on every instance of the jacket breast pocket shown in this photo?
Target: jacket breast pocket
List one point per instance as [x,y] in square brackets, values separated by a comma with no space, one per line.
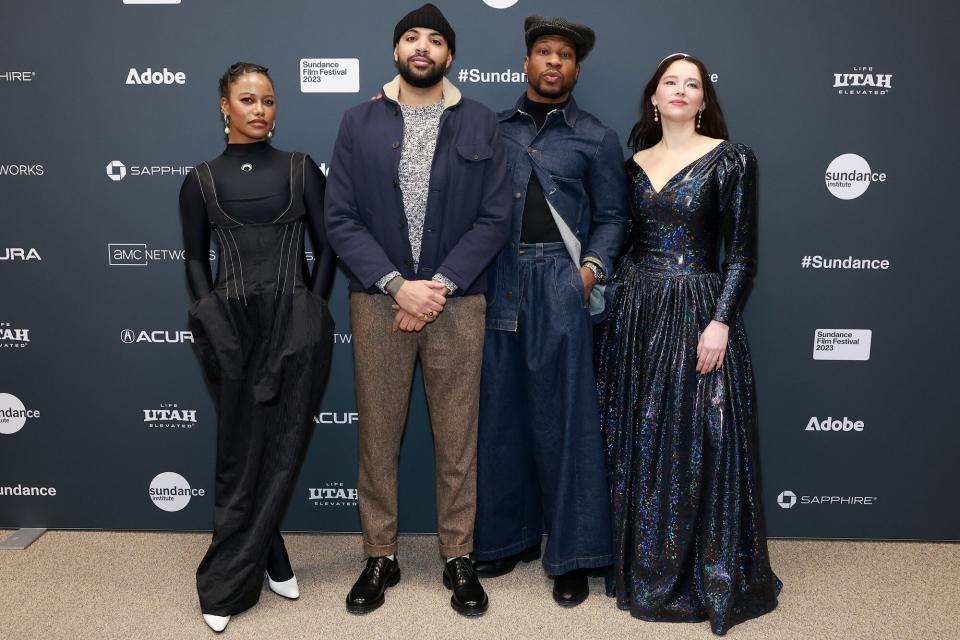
[475,151]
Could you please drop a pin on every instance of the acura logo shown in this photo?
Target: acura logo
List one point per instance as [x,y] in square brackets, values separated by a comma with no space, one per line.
[126,336]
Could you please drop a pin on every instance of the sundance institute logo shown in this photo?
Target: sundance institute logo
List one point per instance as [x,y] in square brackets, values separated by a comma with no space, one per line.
[171,492]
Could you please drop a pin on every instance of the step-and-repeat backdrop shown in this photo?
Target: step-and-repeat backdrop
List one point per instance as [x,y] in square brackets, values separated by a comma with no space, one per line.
[852,319]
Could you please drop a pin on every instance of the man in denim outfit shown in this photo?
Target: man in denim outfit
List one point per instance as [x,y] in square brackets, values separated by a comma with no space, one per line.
[540,458]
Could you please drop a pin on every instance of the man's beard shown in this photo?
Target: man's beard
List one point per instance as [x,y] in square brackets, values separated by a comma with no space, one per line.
[432,75]
[552,93]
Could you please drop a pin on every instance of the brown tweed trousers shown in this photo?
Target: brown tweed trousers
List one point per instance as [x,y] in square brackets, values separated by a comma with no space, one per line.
[450,350]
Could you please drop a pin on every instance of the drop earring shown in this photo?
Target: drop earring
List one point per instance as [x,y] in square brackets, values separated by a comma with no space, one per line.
[656,114]
[270,133]
[226,124]
[699,117]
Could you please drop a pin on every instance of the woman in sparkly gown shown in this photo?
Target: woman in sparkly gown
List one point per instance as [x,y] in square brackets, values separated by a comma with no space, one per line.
[674,371]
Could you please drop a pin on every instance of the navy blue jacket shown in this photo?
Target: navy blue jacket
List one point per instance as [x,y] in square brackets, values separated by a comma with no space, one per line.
[468,206]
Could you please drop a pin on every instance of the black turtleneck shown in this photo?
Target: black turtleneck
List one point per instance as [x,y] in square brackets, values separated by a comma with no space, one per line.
[256,195]
[538,224]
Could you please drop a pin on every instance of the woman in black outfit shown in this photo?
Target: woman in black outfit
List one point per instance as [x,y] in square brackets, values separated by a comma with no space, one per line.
[263,334]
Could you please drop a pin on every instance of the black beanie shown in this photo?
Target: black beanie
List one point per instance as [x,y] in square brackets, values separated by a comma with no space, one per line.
[427,17]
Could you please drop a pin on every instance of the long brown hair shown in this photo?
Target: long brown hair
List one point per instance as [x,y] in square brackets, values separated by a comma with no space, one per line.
[647,132]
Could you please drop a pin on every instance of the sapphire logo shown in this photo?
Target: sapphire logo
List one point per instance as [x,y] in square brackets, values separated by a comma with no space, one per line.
[786,499]
[18,76]
[116,171]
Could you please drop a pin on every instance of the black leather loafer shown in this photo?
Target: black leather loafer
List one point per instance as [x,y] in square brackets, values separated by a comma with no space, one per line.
[503,566]
[571,588]
[469,598]
[367,592]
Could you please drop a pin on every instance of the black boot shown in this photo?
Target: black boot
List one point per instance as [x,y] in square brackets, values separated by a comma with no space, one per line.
[367,592]
[571,588]
[502,566]
[468,597]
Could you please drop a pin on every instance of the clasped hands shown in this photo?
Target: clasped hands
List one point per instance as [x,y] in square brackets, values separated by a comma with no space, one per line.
[418,303]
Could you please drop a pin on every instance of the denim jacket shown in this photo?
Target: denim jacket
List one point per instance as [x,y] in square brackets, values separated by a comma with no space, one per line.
[579,163]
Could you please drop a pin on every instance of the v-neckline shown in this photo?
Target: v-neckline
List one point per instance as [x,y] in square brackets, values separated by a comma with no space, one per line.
[685,170]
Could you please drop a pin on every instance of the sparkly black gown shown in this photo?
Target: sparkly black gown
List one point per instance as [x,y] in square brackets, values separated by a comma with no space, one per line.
[264,336]
[689,535]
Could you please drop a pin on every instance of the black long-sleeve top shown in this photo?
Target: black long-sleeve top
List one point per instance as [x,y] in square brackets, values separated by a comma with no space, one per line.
[253,186]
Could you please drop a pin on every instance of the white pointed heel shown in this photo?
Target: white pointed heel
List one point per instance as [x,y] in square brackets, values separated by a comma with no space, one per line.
[217,623]
[288,588]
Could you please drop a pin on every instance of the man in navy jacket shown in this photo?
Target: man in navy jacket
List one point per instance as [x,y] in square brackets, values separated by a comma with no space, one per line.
[417,206]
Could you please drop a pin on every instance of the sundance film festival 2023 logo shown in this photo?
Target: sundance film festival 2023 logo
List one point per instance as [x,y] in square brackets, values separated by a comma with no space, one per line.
[788,500]
[862,81]
[117,170]
[170,415]
[333,494]
[170,491]
[14,414]
[13,337]
[849,176]
[329,75]
[842,344]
